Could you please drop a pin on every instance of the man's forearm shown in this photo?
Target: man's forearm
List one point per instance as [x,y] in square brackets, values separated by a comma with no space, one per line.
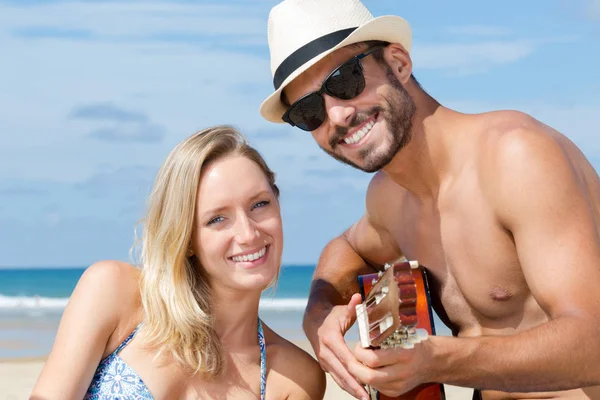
[559,355]
[335,279]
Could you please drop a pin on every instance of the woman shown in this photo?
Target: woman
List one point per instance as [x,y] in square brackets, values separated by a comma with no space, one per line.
[186,326]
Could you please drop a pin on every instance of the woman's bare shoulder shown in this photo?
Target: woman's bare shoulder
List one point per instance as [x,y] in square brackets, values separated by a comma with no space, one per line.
[115,277]
[118,273]
[116,285]
[293,372]
[94,322]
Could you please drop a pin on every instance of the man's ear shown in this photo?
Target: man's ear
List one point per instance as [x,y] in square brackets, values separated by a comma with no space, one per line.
[399,61]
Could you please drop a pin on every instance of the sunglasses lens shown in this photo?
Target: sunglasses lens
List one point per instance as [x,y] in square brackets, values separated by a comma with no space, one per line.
[347,81]
[308,113]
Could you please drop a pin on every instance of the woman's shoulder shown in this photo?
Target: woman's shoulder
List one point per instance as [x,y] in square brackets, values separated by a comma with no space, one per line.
[113,284]
[293,368]
[109,292]
[116,277]
[92,326]
[112,271]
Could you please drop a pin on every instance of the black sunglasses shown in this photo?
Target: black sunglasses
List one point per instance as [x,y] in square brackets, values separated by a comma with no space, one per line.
[345,82]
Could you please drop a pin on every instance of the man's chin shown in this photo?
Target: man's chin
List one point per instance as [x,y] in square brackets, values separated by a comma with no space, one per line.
[346,161]
[375,164]
[360,166]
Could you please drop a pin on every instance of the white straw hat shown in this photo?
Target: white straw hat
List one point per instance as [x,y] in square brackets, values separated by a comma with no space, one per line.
[302,32]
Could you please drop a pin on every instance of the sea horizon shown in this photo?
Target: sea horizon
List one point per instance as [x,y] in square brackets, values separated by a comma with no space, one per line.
[32,300]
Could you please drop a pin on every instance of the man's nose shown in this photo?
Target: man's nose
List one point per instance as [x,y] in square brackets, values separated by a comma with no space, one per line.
[339,112]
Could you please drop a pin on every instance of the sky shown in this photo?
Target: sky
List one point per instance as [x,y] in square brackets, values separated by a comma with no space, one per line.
[94,94]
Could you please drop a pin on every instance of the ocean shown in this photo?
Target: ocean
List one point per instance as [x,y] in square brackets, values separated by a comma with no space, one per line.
[50,288]
[32,301]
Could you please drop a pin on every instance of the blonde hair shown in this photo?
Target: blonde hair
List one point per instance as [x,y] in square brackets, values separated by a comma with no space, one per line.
[175,297]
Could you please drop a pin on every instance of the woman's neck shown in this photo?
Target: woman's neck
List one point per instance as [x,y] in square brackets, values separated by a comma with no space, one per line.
[236,317]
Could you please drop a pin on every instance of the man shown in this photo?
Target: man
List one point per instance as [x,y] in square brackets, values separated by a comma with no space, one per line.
[500,208]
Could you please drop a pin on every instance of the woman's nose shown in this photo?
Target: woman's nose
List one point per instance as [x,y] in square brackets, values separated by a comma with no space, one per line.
[246,230]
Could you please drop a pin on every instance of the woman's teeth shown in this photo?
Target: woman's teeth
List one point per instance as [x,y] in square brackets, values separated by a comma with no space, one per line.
[360,133]
[250,257]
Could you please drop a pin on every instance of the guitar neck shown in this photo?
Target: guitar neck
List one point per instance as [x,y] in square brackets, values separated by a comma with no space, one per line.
[399,322]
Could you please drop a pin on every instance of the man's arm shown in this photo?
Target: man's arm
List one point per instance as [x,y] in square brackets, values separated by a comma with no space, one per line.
[546,204]
[330,310]
[361,249]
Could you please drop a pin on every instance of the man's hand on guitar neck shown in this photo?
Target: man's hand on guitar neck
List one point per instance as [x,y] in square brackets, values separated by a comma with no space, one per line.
[325,330]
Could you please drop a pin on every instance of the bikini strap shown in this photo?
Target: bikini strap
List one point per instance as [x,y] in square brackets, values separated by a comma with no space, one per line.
[263,360]
[126,341]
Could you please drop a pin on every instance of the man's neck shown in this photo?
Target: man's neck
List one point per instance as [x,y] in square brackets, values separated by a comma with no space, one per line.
[421,166]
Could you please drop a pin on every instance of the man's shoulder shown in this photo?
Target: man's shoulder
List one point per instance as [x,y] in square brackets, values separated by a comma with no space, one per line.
[381,189]
[507,136]
[381,184]
[516,145]
[505,121]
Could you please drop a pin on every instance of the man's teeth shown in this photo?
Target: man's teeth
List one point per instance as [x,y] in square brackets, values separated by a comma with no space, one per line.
[360,133]
[250,257]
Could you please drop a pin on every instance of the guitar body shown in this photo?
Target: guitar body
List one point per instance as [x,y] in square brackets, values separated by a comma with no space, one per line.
[414,309]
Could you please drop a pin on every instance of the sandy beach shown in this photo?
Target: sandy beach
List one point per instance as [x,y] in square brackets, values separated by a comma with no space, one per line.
[17,377]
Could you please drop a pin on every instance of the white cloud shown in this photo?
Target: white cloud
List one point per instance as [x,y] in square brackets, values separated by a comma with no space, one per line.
[586,9]
[479,30]
[137,19]
[594,9]
[478,56]
[160,59]
[118,124]
[52,219]
[430,56]
[157,58]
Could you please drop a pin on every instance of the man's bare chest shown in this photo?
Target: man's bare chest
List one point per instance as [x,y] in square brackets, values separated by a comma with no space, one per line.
[474,270]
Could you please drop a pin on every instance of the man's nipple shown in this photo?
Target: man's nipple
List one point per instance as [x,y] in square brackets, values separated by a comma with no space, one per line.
[500,294]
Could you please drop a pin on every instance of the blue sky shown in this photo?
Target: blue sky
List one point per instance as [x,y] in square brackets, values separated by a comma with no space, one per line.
[94,94]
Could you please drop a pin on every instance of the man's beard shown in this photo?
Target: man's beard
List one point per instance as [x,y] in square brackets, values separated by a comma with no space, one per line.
[398,115]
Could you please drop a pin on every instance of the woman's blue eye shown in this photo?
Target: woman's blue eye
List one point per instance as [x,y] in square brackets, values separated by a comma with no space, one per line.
[220,218]
[215,220]
[261,204]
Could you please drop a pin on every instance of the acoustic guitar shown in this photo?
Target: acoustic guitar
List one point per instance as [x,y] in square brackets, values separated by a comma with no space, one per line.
[396,312]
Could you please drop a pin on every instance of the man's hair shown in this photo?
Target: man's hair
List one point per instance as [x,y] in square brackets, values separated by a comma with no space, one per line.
[378,54]
[176,296]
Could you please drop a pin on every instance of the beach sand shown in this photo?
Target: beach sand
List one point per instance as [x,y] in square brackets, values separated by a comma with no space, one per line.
[18,376]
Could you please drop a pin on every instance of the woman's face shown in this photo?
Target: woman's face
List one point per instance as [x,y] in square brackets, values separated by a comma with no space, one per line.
[238,235]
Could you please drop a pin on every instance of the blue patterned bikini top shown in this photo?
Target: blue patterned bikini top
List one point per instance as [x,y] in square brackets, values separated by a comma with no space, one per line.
[114,379]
